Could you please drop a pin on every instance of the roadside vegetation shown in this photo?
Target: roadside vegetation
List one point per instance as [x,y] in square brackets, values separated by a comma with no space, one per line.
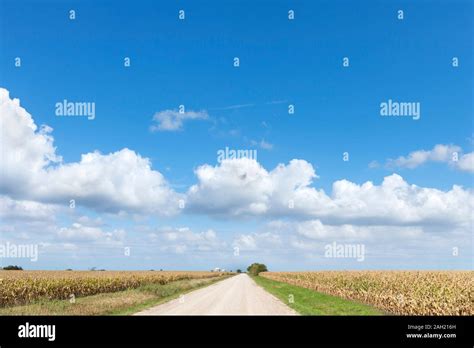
[394,292]
[23,287]
[255,268]
[309,302]
[116,303]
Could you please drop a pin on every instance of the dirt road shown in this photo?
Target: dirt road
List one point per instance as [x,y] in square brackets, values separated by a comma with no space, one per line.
[238,295]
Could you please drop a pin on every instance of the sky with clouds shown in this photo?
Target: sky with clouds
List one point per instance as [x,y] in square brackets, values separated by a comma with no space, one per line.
[141,185]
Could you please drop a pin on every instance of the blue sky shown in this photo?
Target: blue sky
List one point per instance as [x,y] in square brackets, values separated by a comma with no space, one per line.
[282,62]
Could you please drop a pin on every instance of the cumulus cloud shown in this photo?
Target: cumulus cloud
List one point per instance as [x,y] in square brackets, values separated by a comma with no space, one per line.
[172,120]
[184,239]
[33,175]
[25,148]
[395,202]
[256,241]
[115,182]
[450,154]
[82,233]
[316,230]
[245,242]
[466,162]
[23,210]
[243,187]
[122,180]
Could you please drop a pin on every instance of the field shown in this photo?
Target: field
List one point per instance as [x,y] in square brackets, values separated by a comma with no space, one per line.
[395,292]
[309,302]
[22,287]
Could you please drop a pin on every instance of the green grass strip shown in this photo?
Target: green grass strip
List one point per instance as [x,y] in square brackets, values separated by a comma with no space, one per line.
[310,302]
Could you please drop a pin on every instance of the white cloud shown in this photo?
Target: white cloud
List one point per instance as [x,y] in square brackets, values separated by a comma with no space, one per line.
[81,233]
[466,162]
[33,176]
[25,149]
[450,154]
[374,164]
[243,187]
[184,239]
[256,241]
[78,232]
[399,203]
[232,107]
[22,210]
[262,144]
[304,245]
[86,220]
[122,180]
[316,230]
[172,120]
[245,242]
[31,170]
[248,187]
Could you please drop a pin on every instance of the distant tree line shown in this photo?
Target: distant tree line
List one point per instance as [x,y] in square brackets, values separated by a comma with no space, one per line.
[12,268]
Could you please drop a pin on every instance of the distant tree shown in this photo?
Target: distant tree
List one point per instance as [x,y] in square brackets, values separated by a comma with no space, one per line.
[69,269]
[239,271]
[256,268]
[12,268]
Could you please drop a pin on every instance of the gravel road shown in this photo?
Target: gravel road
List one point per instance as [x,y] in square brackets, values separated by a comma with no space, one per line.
[238,295]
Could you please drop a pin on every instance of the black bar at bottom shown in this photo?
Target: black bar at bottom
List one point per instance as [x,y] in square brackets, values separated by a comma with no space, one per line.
[239,330]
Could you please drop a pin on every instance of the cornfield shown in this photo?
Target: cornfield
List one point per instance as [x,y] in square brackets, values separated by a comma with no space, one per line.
[395,292]
[21,287]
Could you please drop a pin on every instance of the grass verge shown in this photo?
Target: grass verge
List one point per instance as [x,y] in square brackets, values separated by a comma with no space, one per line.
[113,303]
[309,302]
